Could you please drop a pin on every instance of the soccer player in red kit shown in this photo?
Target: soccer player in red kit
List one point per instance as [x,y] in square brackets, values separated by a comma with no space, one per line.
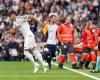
[88,43]
[66,37]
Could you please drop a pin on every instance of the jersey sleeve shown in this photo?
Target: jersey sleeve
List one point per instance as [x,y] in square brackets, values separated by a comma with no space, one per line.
[60,29]
[15,24]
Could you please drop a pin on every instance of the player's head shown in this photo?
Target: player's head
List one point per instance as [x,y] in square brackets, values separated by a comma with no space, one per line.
[88,24]
[94,24]
[53,17]
[68,19]
[12,15]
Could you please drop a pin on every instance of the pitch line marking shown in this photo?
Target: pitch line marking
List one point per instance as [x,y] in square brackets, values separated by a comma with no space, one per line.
[79,72]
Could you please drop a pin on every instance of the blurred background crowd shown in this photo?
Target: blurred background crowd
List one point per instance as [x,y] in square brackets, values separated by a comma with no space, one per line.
[80,11]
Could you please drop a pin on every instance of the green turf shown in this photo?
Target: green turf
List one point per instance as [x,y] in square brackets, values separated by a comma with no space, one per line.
[24,71]
[86,70]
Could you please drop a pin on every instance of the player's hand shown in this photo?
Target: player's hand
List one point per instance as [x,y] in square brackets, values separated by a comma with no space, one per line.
[62,43]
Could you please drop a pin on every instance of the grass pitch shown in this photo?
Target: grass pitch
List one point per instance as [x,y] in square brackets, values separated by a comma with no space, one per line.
[24,71]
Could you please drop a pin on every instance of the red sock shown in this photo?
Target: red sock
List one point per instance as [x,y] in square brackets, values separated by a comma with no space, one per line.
[85,57]
[62,59]
[73,58]
[89,57]
[93,57]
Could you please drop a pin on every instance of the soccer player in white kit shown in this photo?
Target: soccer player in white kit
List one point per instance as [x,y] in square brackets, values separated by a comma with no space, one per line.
[21,23]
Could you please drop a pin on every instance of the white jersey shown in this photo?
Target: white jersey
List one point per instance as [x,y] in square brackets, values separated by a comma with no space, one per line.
[52,38]
[22,25]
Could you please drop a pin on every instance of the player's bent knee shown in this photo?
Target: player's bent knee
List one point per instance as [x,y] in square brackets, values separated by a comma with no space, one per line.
[35,51]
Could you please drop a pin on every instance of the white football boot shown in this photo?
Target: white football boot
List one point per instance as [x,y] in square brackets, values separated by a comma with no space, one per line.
[36,67]
[45,66]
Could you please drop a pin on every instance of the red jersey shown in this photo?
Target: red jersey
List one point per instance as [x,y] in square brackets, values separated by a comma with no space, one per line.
[89,39]
[66,33]
[97,32]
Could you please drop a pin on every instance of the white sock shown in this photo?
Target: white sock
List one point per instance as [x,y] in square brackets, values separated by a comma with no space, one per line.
[38,55]
[30,57]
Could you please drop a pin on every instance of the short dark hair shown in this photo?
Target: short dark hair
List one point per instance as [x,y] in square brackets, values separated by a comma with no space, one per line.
[94,22]
[62,20]
[11,12]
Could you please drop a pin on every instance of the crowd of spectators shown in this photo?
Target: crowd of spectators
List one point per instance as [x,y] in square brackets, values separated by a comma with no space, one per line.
[80,11]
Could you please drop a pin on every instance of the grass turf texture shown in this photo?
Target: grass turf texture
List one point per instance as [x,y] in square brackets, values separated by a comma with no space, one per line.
[24,71]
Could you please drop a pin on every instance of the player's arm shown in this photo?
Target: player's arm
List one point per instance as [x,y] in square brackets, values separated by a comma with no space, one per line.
[34,18]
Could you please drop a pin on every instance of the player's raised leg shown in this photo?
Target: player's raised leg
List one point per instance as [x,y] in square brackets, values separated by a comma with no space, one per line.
[30,57]
[39,56]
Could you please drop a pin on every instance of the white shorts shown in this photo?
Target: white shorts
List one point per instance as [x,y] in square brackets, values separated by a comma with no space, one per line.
[29,42]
